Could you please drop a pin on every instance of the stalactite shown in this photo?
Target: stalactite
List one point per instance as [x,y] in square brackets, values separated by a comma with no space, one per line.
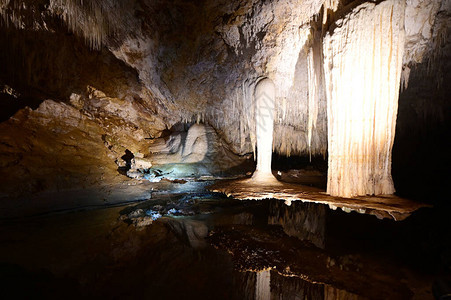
[17,14]
[362,66]
[300,125]
[329,5]
[235,117]
[316,97]
[94,20]
[313,97]
[288,139]
[248,112]
[440,34]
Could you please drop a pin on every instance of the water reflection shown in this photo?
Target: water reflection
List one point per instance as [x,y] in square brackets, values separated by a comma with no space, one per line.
[306,221]
[270,285]
[264,238]
[192,246]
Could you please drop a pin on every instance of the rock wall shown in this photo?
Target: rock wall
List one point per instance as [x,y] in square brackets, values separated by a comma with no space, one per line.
[420,154]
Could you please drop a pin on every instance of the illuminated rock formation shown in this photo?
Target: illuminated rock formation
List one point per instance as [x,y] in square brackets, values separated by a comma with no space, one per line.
[197,152]
[362,66]
[264,120]
[138,68]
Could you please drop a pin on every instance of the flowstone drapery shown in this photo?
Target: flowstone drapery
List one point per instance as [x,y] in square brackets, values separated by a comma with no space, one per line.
[362,66]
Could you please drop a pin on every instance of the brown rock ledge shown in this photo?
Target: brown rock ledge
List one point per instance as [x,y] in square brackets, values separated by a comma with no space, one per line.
[382,206]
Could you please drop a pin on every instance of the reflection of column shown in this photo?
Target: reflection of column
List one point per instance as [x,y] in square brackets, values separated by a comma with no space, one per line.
[306,221]
[264,122]
[283,287]
[244,285]
[332,293]
[262,286]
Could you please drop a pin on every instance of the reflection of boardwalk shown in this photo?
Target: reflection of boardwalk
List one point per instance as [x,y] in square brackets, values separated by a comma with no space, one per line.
[382,206]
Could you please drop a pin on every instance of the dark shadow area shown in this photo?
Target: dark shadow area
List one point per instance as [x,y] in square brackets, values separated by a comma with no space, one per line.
[421,161]
[127,158]
[284,163]
[301,170]
[422,241]
[9,105]
[18,282]
[42,65]
[180,245]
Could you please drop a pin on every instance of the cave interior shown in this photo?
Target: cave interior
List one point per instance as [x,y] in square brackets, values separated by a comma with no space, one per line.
[239,149]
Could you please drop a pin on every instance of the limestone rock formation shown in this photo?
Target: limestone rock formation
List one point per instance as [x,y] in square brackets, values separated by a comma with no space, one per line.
[195,153]
[363,61]
[120,74]
[264,122]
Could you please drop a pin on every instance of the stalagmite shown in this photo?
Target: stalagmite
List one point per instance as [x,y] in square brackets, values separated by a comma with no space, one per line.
[362,66]
[264,119]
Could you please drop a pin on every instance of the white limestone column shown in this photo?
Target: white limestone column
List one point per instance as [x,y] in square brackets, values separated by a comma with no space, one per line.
[265,98]
[362,66]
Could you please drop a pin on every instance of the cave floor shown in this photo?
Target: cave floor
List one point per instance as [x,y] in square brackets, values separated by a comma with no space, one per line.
[122,192]
[382,206]
[204,245]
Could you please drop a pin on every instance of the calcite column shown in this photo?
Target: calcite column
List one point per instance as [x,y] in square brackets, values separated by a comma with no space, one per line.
[264,122]
[362,65]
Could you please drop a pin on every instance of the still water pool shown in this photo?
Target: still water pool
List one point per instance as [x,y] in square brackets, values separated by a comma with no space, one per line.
[201,245]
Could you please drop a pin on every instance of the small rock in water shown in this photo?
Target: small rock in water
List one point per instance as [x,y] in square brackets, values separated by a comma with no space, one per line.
[152,177]
[154,215]
[135,174]
[136,213]
[173,211]
[142,222]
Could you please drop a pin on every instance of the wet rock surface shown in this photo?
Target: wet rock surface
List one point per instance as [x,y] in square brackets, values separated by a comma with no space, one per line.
[173,206]
[382,206]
